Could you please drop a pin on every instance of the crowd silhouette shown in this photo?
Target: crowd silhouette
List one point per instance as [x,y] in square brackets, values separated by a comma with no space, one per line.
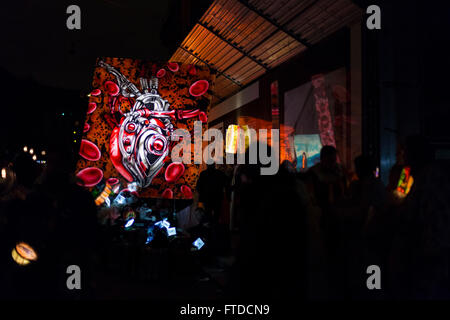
[308,235]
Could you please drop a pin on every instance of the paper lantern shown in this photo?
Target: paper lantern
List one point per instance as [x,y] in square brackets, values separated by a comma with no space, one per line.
[231,138]
[130,214]
[405,183]
[23,254]
[198,243]
[104,195]
[129,223]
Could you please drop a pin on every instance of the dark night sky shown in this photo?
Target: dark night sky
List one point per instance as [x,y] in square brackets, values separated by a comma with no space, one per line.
[45,68]
[36,43]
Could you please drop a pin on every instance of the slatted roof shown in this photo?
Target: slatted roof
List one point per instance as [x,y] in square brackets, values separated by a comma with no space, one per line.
[243,39]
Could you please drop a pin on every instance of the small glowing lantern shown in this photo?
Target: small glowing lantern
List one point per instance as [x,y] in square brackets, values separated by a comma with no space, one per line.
[129,223]
[404,183]
[23,254]
[130,215]
[104,195]
[34,158]
[43,153]
[3,173]
[31,151]
[233,137]
[25,149]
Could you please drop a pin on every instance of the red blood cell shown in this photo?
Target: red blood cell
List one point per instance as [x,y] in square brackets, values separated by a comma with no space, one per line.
[86,127]
[199,88]
[89,150]
[186,191]
[112,181]
[161,73]
[174,171]
[111,88]
[167,194]
[90,176]
[173,66]
[96,92]
[203,117]
[91,107]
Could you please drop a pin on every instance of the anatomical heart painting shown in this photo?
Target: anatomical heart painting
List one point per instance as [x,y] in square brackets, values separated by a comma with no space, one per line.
[134,109]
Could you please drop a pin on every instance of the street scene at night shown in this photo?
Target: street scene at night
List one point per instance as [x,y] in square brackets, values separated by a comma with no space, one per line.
[225,159]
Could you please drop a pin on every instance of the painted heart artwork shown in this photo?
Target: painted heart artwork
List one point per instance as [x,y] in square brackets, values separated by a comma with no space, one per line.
[134,108]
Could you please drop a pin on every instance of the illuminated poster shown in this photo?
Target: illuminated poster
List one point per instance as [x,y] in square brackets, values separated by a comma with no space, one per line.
[134,109]
[307,150]
[319,113]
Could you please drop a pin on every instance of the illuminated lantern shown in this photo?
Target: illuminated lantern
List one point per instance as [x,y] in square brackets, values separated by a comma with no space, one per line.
[130,215]
[129,223]
[404,183]
[23,254]
[3,173]
[246,135]
[231,138]
[104,195]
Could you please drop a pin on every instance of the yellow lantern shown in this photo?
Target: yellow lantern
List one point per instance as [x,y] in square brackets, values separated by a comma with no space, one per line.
[231,138]
[104,195]
[23,254]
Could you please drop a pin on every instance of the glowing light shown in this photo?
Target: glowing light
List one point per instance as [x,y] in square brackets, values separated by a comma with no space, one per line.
[31,151]
[198,243]
[23,254]
[120,199]
[129,223]
[43,152]
[25,149]
[171,231]
[104,195]
[405,182]
[233,137]
[18,259]
[166,224]
[132,187]
[130,215]
[3,173]
[158,224]
[34,158]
